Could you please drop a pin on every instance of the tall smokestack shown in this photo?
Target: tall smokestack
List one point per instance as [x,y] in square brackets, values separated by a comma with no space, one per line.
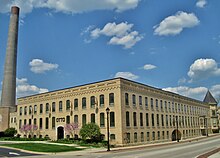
[8,97]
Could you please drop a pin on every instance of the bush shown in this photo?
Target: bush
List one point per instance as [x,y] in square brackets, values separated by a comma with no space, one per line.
[91,131]
[10,132]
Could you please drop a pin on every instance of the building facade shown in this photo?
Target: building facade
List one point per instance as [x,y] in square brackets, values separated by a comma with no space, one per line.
[138,113]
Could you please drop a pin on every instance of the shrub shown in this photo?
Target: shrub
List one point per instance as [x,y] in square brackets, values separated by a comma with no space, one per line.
[10,132]
[91,131]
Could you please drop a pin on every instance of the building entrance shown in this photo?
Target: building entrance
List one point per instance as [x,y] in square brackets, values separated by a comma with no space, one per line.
[60,133]
[176,135]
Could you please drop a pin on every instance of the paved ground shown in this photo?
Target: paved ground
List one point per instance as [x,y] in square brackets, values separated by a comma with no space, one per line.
[101,152]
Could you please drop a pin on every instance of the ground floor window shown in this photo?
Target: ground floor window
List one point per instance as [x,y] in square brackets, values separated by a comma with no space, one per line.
[135,137]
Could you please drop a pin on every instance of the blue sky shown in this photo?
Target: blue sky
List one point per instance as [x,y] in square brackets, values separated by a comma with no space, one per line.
[173,45]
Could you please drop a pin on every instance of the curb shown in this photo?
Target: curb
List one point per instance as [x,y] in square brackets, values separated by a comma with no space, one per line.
[206,155]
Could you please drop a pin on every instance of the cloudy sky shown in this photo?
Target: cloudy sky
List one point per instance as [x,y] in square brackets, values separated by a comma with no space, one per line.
[173,45]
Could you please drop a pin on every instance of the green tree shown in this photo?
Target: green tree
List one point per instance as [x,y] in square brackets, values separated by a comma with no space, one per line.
[91,131]
[10,132]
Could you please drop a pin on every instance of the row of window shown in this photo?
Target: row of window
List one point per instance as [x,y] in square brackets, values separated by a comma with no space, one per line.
[67,120]
[69,106]
[162,120]
[164,105]
[159,135]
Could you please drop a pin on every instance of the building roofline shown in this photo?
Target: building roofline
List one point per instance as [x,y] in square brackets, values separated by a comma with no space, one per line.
[119,78]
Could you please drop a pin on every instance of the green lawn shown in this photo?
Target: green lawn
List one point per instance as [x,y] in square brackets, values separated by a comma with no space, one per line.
[40,147]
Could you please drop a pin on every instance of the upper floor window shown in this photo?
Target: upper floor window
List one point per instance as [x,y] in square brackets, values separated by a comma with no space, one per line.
[157,104]
[126,99]
[20,110]
[41,108]
[134,99]
[67,119]
[141,119]
[25,110]
[76,119]
[111,99]
[134,118]
[47,108]
[152,103]
[67,105]
[84,102]
[161,104]
[83,119]
[92,102]
[101,100]
[75,104]
[60,106]
[165,105]
[140,100]
[30,110]
[146,102]
[92,118]
[35,109]
[53,107]
[127,119]
[102,119]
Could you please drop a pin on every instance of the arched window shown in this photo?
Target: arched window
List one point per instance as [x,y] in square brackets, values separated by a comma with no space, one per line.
[75,104]
[101,100]
[60,106]
[92,118]
[134,100]
[83,119]
[84,102]
[135,137]
[102,119]
[134,119]
[111,99]
[112,119]
[25,110]
[92,102]
[35,109]
[127,119]
[67,119]
[68,105]
[20,110]
[141,120]
[53,107]
[53,122]
[47,108]
[30,110]
[47,123]
[126,99]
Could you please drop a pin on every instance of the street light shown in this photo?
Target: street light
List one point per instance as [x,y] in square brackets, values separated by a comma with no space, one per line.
[107,111]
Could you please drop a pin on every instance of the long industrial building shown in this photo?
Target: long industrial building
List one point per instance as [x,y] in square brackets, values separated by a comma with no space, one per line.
[138,113]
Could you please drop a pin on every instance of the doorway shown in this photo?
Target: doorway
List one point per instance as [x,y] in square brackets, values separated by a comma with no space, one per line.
[60,132]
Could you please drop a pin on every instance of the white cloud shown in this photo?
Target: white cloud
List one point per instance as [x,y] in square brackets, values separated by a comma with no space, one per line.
[201,3]
[127,75]
[203,68]
[149,67]
[23,88]
[175,24]
[196,93]
[69,6]
[39,66]
[121,34]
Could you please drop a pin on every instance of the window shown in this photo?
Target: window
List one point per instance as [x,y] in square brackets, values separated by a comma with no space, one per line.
[102,119]
[76,104]
[158,121]
[76,119]
[135,137]
[167,123]
[83,119]
[141,120]
[126,99]
[112,136]
[30,110]
[92,118]
[128,136]
[84,103]
[53,122]
[60,106]
[92,102]
[157,104]
[25,110]
[41,108]
[152,103]
[146,102]
[147,120]
[67,119]
[148,136]
[20,124]
[25,121]
[35,121]
[127,119]
[111,99]
[140,100]
[142,136]
[134,99]
[29,122]
[112,119]
[167,134]
[68,105]
[20,110]
[101,100]
[158,135]
[162,120]
[152,119]
[47,123]
[47,107]
[53,107]
[35,109]
[41,123]
[153,135]
[165,105]
[134,118]
[161,105]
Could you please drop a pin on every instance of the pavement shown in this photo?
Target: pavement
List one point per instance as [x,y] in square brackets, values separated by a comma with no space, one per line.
[211,154]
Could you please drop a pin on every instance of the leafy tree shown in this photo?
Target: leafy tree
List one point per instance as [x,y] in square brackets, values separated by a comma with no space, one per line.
[28,129]
[10,132]
[90,130]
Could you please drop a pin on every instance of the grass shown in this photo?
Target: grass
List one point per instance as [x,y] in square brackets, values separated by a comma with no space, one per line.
[40,147]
